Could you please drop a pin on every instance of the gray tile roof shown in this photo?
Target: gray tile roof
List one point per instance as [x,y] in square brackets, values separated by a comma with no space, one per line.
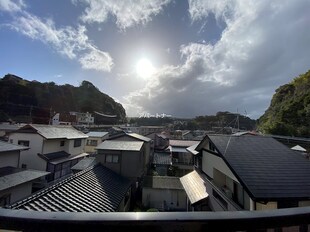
[161,158]
[97,134]
[194,186]
[54,132]
[4,146]
[120,145]
[181,143]
[96,189]
[139,137]
[162,182]
[265,167]
[11,177]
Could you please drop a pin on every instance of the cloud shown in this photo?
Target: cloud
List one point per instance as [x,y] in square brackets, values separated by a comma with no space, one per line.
[68,41]
[10,6]
[127,13]
[264,45]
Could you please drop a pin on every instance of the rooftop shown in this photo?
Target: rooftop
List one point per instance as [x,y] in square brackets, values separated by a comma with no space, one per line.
[53,131]
[96,189]
[97,134]
[162,182]
[266,167]
[161,158]
[181,143]
[4,146]
[120,145]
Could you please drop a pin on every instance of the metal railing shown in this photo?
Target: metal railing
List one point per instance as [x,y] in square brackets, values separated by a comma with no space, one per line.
[292,218]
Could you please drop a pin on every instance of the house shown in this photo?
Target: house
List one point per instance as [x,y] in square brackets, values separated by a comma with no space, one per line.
[182,159]
[54,149]
[164,193]
[5,129]
[64,119]
[96,189]
[162,162]
[83,118]
[126,158]
[136,137]
[15,183]
[248,173]
[94,139]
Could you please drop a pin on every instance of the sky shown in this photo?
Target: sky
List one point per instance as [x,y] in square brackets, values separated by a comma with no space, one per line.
[175,57]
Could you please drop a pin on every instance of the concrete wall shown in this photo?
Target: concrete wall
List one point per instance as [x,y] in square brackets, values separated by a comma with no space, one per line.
[9,158]
[169,199]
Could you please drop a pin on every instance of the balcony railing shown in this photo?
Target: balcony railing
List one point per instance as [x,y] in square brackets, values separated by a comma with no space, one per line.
[292,219]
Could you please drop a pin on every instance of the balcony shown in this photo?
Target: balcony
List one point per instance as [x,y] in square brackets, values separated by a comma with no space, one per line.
[292,219]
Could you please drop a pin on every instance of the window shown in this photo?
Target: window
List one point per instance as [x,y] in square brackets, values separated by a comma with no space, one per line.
[62,143]
[77,142]
[111,158]
[91,142]
[23,143]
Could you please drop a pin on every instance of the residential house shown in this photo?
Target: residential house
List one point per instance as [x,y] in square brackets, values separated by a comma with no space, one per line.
[164,193]
[248,173]
[15,183]
[94,139]
[83,118]
[96,189]
[182,159]
[162,163]
[64,119]
[5,129]
[136,137]
[54,149]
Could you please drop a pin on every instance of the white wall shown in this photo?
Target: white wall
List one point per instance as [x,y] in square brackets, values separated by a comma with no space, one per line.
[75,150]
[9,158]
[30,157]
[210,161]
[154,198]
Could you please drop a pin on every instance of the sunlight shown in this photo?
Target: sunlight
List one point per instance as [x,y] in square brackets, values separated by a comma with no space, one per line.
[145,68]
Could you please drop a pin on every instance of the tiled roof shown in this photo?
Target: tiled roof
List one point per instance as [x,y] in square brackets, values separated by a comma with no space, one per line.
[11,177]
[54,132]
[97,134]
[181,143]
[132,135]
[162,182]
[267,168]
[96,189]
[120,145]
[162,158]
[4,146]
[194,186]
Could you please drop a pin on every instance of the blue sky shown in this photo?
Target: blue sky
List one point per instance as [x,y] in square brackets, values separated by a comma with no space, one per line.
[199,56]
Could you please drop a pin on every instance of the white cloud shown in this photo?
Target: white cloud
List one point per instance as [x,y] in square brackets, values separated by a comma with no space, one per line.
[68,41]
[264,45]
[127,13]
[12,6]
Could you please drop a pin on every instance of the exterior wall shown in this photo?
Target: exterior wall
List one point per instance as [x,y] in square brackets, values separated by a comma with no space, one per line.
[53,145]
[30,157]
[269,205]
[18,192]
[164,199]
[210,161]
[9,158]
[131,164]
[75,150]
[116,167]
[90,148]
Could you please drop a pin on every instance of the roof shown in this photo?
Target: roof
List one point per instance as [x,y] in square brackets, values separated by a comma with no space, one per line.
[96,189]
[84,163]
[8,127]
[54,155]
[54,131]
[4,146]
[266,168]
[132,135]
[161,158]
[299,148]
[72,157]
[181,143]
[97,134]
[120,145]
[194,186]
[192,150]
[11,177]
[162,182]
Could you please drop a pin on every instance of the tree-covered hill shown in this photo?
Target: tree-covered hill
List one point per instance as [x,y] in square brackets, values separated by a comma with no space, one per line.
[24,101]
[289,111]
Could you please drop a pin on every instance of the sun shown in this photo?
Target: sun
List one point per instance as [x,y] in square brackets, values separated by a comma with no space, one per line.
[144,68]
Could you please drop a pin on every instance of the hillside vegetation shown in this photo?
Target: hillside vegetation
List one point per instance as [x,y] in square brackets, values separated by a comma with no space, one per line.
[31,101]
[289,111]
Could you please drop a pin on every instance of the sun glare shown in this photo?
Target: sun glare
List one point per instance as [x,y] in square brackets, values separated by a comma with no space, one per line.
[145,68]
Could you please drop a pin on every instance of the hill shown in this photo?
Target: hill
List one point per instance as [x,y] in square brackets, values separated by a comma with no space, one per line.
[31,101]
[289,111]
